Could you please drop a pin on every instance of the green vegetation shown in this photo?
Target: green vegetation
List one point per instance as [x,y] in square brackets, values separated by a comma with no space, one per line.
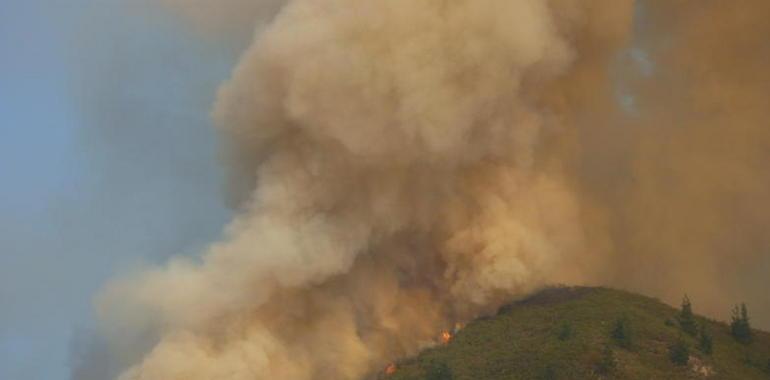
[566,331]
[438,371]
[607,364]
[526,340]
[705,341]
[621,333]
[740,326]
[549,373]
[679,353]
[686,318]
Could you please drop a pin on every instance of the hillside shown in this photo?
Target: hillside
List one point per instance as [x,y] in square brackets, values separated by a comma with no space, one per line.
[567,333]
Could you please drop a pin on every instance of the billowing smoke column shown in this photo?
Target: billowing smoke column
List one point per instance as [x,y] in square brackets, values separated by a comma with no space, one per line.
[384,155]
[402,165]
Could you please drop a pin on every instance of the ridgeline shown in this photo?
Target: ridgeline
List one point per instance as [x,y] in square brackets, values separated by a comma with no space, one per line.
[592,333]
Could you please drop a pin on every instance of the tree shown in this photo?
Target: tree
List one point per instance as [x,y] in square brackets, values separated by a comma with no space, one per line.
[745,319]
[607,364]
[565,332]
[621,333]
[705,341]
[686,318]
[439,371]
[678,352]
[740,326]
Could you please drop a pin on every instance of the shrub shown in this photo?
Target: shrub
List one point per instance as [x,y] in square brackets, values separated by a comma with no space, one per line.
[679,353]
[621,333]
[565,332]
[705,341]
[607,364]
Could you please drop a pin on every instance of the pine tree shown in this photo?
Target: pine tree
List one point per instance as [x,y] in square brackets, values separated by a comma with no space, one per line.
[679,353]
[686,318]
[706,341]
[745,318]
[735,323]
[740,326]
[621,333]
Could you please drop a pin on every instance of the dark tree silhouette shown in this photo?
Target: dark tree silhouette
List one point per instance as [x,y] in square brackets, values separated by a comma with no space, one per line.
[679,353]
[740,326]
[705,341]
[686,317]
[621,333]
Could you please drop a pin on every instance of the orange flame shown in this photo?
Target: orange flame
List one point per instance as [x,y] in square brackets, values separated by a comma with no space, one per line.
[446,337]
[390,369]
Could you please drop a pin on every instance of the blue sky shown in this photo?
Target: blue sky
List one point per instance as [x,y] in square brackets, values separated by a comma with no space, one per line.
[107,161]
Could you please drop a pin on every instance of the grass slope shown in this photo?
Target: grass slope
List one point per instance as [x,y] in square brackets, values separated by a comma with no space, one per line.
[529,340]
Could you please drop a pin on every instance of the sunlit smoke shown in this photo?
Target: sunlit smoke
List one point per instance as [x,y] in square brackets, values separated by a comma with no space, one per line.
[402,166]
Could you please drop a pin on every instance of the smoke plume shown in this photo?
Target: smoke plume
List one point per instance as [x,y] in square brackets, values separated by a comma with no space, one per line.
[399,166]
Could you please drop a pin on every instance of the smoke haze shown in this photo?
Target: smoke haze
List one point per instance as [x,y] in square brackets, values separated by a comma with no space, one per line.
[399,166]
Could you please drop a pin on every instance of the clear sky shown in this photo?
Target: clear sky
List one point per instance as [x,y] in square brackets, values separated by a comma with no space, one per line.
[107,161]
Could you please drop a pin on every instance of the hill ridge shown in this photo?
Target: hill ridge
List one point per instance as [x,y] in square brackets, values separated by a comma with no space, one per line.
[570,333]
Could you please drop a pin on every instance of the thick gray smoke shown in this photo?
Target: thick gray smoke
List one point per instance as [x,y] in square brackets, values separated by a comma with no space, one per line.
[402,165]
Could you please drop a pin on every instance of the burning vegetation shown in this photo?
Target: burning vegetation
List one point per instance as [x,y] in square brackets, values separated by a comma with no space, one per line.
[446,337]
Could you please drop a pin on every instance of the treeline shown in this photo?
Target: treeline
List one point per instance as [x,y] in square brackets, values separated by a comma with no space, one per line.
[679,352]
[740,329]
